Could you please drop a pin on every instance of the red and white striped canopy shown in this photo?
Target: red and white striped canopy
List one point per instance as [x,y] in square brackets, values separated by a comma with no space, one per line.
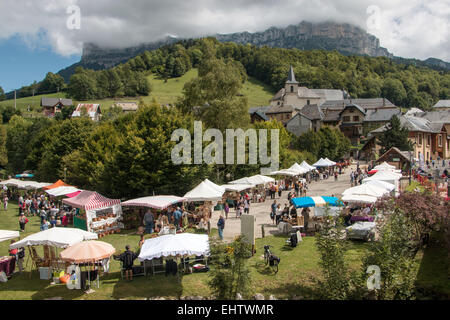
[156,202]
[89,200]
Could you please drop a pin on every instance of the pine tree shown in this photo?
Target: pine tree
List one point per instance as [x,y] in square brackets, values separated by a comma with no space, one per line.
[395,136]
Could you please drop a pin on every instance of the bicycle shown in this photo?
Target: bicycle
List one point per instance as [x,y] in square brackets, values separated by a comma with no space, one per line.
[270,259]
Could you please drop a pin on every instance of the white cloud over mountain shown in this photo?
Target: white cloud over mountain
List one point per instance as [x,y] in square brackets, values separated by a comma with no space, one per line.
[414,28]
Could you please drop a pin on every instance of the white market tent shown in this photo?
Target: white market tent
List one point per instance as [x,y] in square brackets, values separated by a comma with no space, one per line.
[254,180]
[307,166]
[55,237]
[8,235]
[359,198]
[285,172]
[366,189]
[322,163]
[384,165]
[21,184]
[155,202]
[215,186]
[204,192]
[62,191]
[298,168]
[382,184]
[183,244]
[331,162]
[237,187]
[387,176]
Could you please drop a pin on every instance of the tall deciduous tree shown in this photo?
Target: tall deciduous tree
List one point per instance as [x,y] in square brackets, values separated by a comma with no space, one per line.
[2,94]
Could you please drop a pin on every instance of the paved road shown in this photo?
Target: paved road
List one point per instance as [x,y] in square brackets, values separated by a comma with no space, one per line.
[261,210]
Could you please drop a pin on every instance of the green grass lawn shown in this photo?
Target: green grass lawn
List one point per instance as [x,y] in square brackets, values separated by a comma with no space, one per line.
[165,92]
[296,277]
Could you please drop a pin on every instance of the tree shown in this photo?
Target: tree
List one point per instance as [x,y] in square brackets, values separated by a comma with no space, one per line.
[16,142]
[394,91]
[326,143]
[2,94]
[3,150]
[394,136]
[51,83]
[82,85]
[230,274]
[7,112]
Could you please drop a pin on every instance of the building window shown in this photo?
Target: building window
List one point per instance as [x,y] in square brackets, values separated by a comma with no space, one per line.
[346,118]
[440,140]
[278,103]
[355,118]
[420,139]
[308,102]
[292,88]
[428,139]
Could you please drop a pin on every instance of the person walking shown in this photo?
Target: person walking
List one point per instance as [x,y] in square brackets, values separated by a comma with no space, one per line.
[127,259]
[65,220]
[148,221]
[246,206]
[22,222]
[226,209]
[177,218]
[20,258]
[44,225]
[305,214]
[221,226]
[5,203]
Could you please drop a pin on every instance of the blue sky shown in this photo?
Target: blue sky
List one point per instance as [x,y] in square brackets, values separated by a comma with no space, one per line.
[21,64]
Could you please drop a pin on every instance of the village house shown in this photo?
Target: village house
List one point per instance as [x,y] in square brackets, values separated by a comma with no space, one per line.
[401,160]
[442,105]
[51,106]
[429,132]
[91,110]
[127,106]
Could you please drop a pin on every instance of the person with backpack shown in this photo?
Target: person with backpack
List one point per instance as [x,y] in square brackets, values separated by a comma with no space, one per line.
[221,226]
[22,222]
[127,259]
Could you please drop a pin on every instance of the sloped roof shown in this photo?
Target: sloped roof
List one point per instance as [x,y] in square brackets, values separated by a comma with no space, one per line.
[442,104]
[304,92]
[127,106]
[261,115]
[279,95]
[89,107]
[329,94]
[382,114]
[312,112]
[413,123]
[51,102]
[442,116]
[280,109]
[353,105]
[331,115]
[291,76]
[370,103]
[261,109]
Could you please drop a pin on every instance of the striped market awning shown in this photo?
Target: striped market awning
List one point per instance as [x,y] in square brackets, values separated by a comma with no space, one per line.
[90,200]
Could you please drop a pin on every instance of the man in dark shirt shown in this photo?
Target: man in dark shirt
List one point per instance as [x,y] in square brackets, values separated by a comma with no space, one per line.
[127,259]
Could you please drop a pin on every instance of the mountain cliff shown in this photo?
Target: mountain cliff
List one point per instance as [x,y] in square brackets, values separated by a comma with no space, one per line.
[345,38]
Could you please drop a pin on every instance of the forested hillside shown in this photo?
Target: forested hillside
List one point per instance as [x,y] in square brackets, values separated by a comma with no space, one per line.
[363,77]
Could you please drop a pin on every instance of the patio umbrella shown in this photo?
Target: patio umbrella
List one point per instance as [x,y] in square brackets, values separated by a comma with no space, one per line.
[87,251]
[25,175]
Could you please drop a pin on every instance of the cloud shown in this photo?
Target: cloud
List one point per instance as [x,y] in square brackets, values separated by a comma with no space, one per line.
[414,28]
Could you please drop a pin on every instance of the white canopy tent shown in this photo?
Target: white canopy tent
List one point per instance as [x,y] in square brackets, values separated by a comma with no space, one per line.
[254,180]
[237,187]
[8,235]
[307,166]
[298,168]
[366,190]
[21,184]
[387,176]
[359,198]
[55,237]
[155,202]
[285,172]
[183,244]
[205,192]
[215,186]
[330,161]
[322,163]
[382,184]
[384,165]
[61,191]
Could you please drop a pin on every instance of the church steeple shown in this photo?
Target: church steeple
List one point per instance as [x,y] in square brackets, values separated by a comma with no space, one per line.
[291,76]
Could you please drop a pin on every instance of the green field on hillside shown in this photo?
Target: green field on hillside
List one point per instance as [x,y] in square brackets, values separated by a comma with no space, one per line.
[165,92]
